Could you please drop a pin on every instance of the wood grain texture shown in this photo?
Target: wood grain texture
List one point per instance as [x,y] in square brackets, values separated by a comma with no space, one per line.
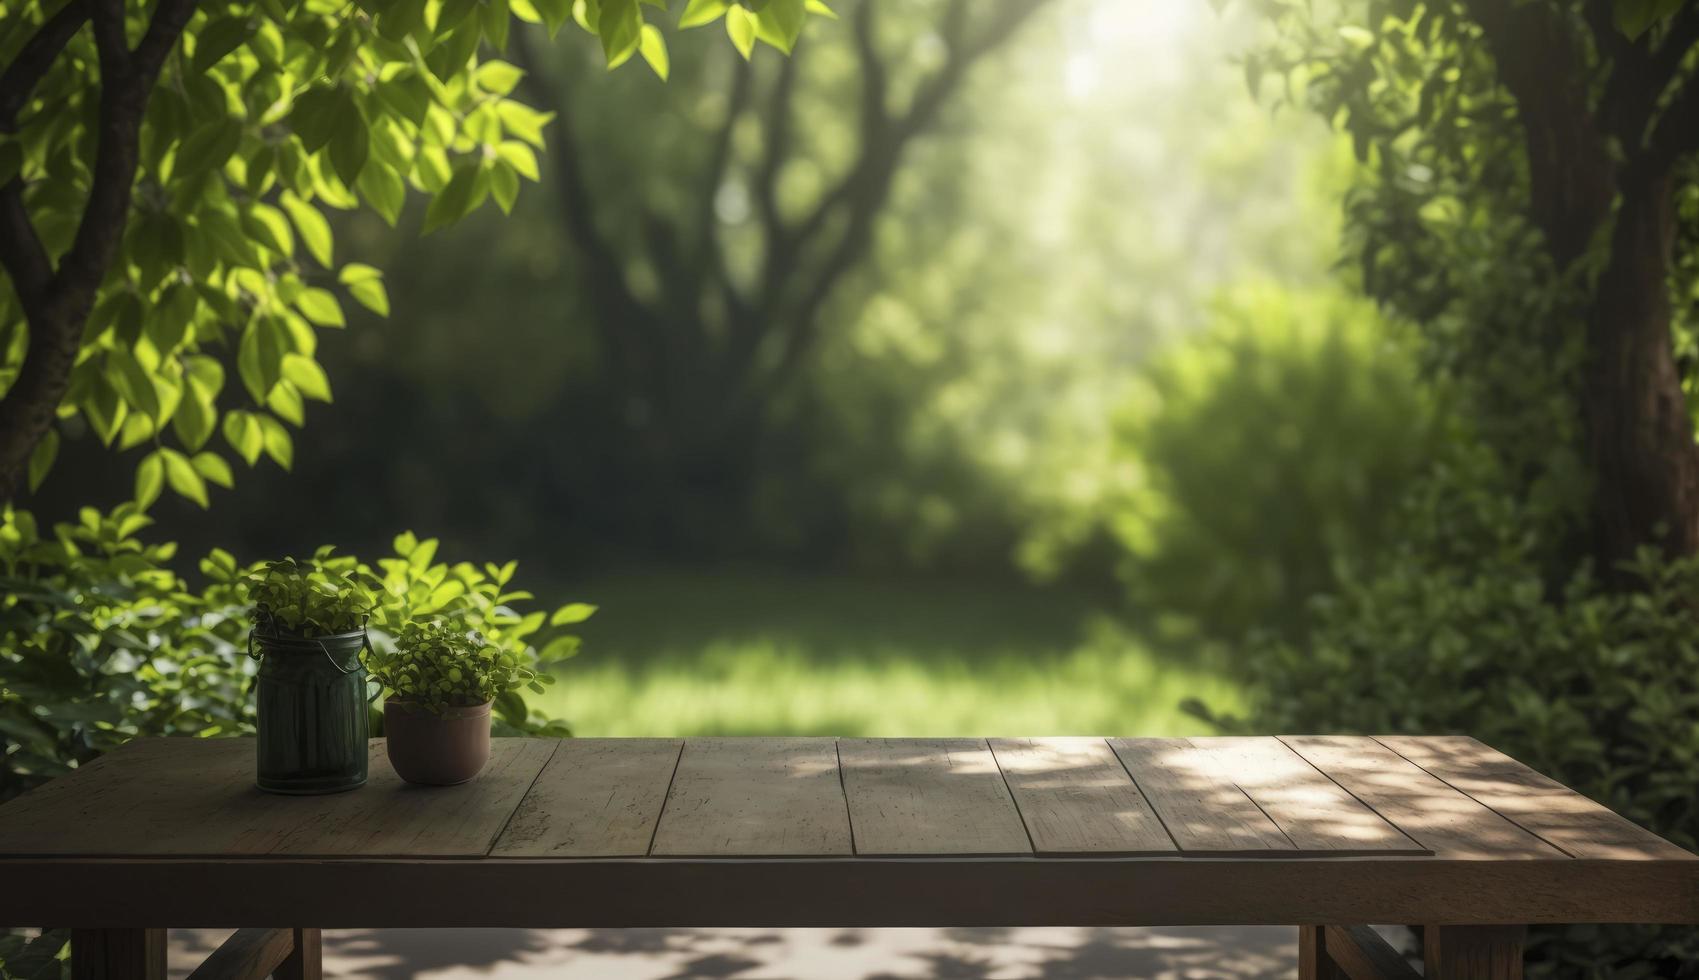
[755,796]
[182,796]
[1360,953]
[597,797]
[1313,961]
[1538,804]
[118,954]
[1472,952]
[1426,809]
[306,960]
[929,796]
[1076,798]
[389,817]
[844,892]
[249,954]
[1309,808]
[1203,811]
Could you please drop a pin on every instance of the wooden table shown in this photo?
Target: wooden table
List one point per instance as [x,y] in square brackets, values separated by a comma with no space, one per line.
[1326,834]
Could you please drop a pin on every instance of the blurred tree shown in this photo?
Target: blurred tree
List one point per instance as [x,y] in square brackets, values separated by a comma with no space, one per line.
[703,319]
[1531,203]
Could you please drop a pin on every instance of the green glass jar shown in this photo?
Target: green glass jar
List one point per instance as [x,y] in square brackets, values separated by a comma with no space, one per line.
[313,721]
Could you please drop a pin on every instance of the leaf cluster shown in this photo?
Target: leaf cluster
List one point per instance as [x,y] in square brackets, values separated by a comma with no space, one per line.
[313,598]
[443,662]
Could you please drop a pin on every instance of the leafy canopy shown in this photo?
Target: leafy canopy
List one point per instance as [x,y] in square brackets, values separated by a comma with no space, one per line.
[264,118]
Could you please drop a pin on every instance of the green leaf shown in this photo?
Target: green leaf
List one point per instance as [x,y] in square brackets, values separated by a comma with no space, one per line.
[314,229]
[242,431]
[819,7]
[620,26]
[384,190]
[218,39]
[150,480]
[699,12]
[780,23]
[183,477]
[214,469]
[209,147]
[278,445]
[350,144]
[740,27]
[504,185]
[572,612]
[523,121]
[270,228]
[132,381]
[259,357]
[365,284]
[307,376]
[41,458]
[285,403]
[520,157]
[194,417]
[321,307]
[654,49]
[497,77]
[455,200]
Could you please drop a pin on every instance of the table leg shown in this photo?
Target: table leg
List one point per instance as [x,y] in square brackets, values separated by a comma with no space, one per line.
[118,954]
[306,960]
[1313,961]
[1473,952]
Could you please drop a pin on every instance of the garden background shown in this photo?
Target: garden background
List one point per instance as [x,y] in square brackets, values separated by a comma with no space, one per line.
[1086,366]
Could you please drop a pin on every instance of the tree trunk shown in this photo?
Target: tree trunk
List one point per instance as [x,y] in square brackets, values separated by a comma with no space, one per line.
[1640,437]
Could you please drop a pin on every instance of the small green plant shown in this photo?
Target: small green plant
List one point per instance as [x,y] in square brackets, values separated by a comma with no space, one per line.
[317,597]
[444,662]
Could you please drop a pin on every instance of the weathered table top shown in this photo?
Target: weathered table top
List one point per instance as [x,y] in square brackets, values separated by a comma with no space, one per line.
[821,831]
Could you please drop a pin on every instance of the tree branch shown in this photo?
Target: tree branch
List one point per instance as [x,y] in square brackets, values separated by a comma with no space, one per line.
[617,309]
[34,59]
[58,309]
[864,193]
[778,138]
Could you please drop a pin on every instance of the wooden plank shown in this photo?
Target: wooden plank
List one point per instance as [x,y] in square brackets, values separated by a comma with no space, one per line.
[389,817]
[1360,953]
[249,954]
[929,796]
[1076,798]
[755,796]
[1426,809]
[1309,808]
[1578,826]
[306,960]
[1203,810]
[1472,952]
[118,954]
[598,797]
[836,891]
[155,796]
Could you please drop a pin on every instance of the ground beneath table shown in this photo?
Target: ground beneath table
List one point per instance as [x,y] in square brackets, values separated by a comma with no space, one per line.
[1225,953]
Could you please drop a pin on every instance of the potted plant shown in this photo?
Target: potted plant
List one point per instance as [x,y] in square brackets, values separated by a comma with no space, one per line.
[442,677]
[309,628]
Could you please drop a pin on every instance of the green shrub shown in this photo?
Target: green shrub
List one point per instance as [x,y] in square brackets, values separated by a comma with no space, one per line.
[1264,458]
[1598,688]
[100,641]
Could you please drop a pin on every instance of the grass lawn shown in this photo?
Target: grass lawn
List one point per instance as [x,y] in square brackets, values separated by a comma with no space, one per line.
[746,653]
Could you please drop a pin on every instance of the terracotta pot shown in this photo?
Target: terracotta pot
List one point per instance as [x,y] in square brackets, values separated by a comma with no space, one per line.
[436,749]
